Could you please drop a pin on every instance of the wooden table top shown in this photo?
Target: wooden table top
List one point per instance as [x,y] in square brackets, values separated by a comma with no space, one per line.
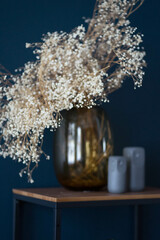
[64,195]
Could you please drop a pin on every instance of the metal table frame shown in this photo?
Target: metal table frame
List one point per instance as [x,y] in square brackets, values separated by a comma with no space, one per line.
[58,206]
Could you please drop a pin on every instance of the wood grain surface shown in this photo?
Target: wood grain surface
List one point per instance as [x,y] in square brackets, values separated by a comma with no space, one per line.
[64,195]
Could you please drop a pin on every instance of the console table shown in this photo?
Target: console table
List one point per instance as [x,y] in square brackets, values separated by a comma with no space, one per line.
[59,198]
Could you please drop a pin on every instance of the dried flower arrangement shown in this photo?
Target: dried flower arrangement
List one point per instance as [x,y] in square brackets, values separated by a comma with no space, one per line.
[76,69]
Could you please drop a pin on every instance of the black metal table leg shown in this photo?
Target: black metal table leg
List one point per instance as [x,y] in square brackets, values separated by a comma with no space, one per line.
[136,223]
[57,224]
[16,213]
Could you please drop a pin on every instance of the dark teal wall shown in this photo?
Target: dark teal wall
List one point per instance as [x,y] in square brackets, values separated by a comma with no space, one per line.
[135,117]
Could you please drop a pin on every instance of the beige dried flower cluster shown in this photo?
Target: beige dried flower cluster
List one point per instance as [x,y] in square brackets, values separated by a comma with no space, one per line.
[74,69]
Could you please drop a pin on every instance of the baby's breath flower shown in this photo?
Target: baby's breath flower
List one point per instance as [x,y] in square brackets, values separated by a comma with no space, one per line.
[77,69]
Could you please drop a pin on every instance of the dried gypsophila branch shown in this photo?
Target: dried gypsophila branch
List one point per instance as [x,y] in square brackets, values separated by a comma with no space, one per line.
[72,70]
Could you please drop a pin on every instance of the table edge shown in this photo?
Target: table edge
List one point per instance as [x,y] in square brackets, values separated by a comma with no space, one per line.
[113,197]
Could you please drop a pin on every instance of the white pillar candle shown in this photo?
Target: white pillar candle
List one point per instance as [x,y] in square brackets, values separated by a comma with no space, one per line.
[136,163]
[117,174]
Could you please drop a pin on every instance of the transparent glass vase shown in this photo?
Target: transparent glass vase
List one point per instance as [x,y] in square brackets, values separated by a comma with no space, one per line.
[82,145]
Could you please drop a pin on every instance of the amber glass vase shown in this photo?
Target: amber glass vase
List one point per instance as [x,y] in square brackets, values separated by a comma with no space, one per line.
[82,145]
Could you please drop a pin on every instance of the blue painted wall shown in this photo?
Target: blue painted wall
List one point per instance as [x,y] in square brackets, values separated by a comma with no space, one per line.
[135,117]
